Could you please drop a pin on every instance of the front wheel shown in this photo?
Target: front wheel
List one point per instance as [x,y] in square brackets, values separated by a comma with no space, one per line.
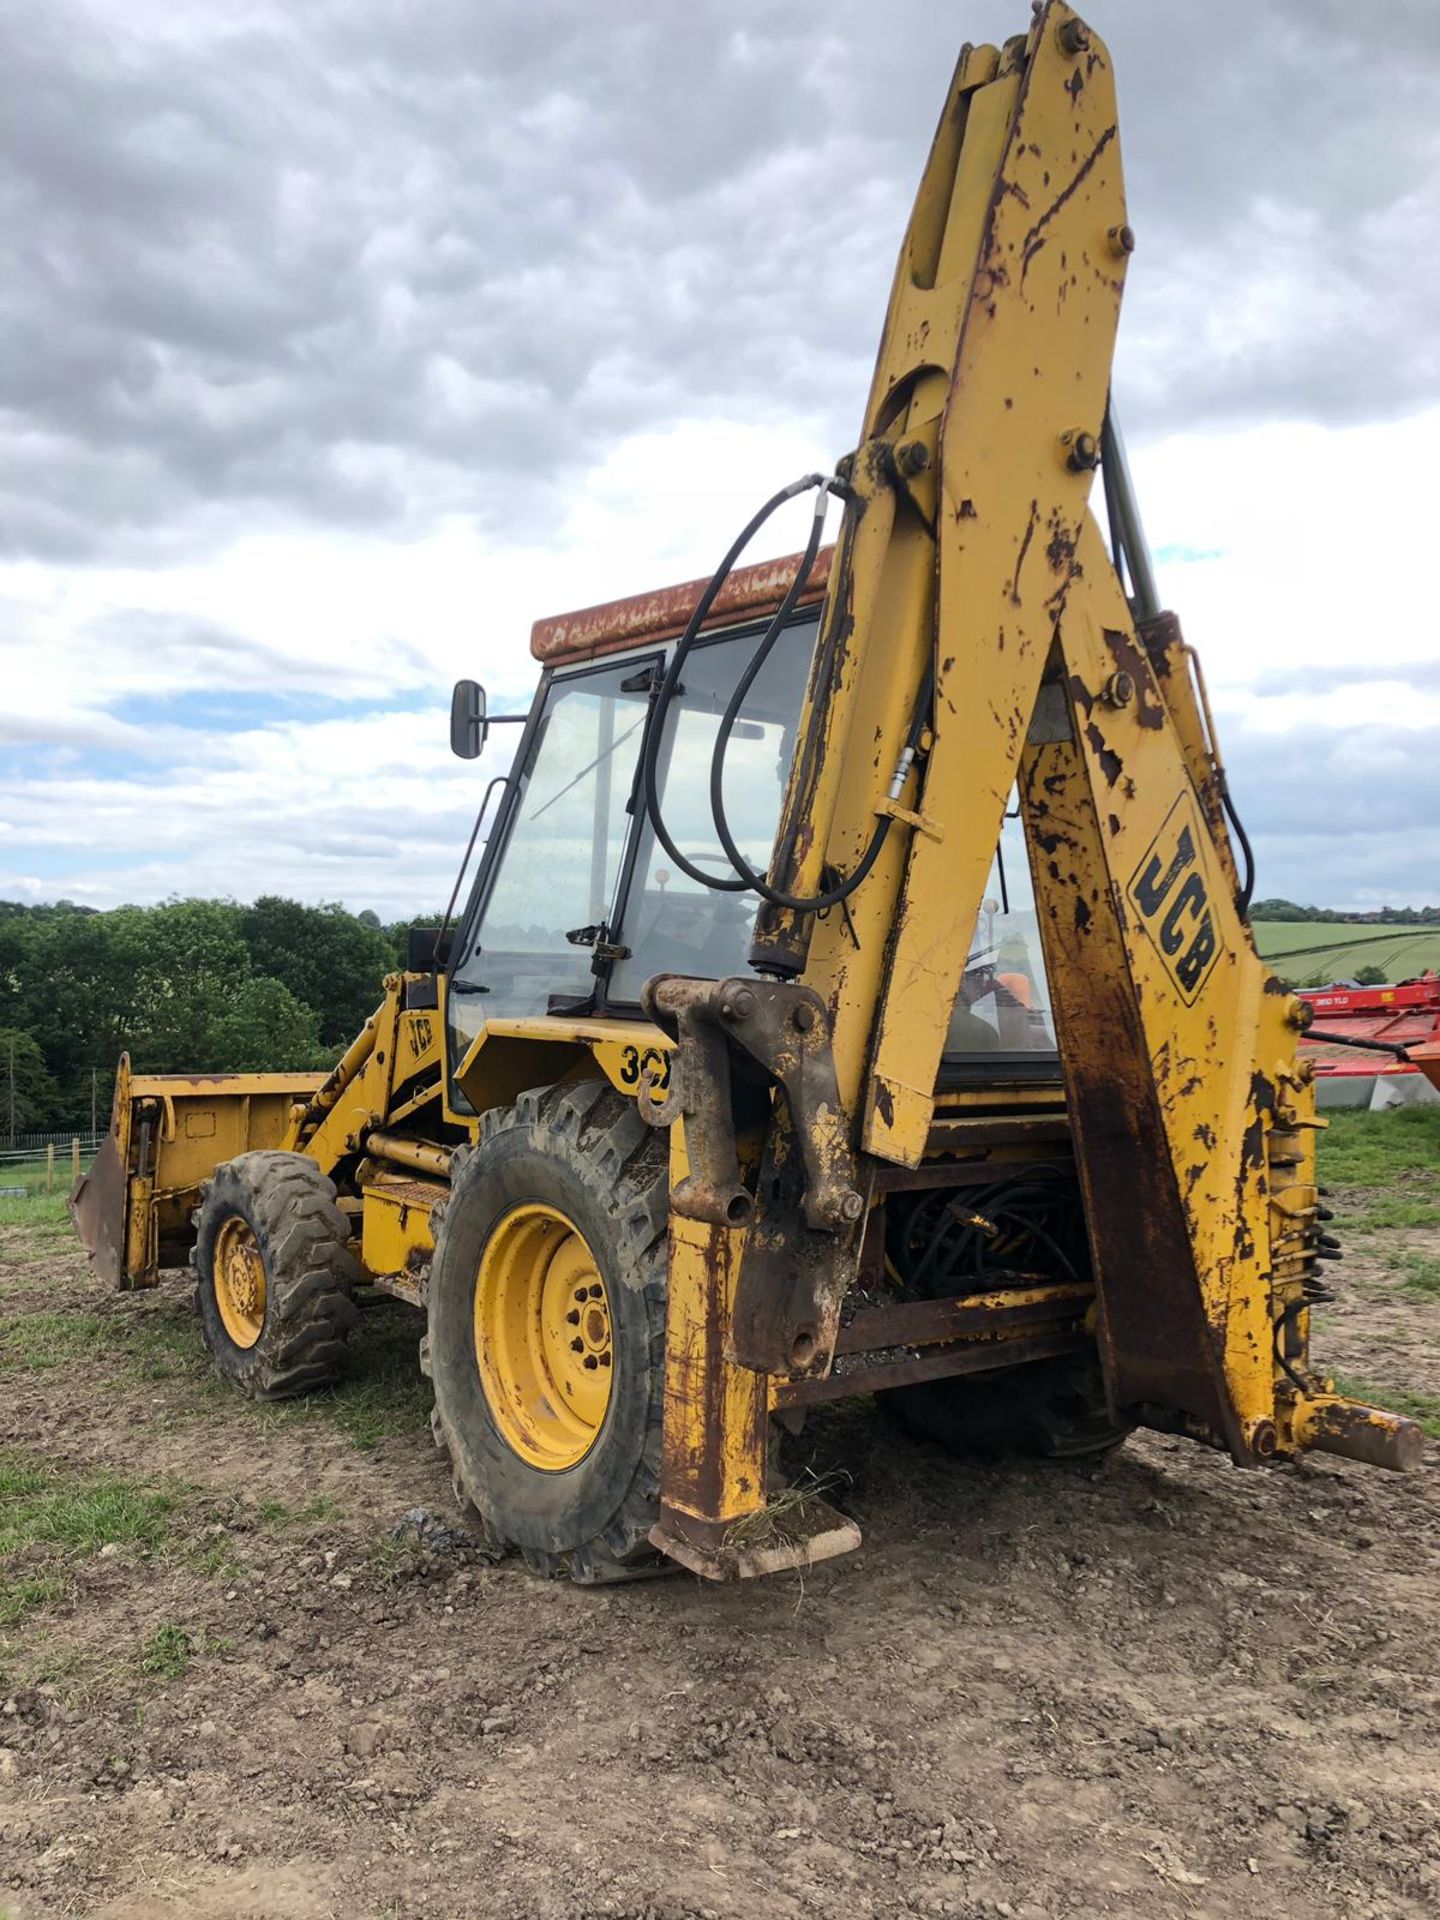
[546,1339]
[274,1275]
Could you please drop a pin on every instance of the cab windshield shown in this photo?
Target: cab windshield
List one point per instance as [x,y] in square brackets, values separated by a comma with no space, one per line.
[580,906]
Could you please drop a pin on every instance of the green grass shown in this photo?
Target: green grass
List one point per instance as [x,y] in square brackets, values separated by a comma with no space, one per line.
[36,1208]
[322,1508]
[43,1505]
[167,1653]
[148,1344]
[391,1560]
[1383,1172]
[383,1395]
[161,1344]
[1419,1272]
[1390,1210]
[1337,949]
[51,1517]
[1422,1408]
[387,1393]
[1369,1149]
[218,1558]
[29,1593]
[35,1342]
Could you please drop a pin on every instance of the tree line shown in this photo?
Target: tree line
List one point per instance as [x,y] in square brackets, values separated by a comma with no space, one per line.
[209,986]
[196,986]
[1370,916]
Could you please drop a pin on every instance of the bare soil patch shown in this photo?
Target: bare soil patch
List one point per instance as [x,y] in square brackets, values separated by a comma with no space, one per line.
[1159,1687]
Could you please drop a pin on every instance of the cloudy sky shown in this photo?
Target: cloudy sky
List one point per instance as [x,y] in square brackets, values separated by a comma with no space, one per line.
[339,342]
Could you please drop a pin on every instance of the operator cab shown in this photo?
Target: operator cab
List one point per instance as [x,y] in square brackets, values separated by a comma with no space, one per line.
[576,905]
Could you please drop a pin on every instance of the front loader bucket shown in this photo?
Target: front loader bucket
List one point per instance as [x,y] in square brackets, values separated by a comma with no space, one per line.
[98,1209]
[168,1133]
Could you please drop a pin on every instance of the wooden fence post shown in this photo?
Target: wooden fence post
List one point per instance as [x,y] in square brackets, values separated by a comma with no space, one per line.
[50,1167]
[74,1158]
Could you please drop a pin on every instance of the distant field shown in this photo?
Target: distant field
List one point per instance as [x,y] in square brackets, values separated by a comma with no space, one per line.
[1335,949]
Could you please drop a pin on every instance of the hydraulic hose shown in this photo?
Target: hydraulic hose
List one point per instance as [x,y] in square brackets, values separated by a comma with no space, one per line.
[746,879]
[1247,885]
[654,733]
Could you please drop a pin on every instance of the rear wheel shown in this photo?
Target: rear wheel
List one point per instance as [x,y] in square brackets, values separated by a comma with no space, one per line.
[1049,1410]
[274,1275]
[546,1338]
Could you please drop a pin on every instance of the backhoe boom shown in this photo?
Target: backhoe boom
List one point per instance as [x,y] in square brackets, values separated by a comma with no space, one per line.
[971,582]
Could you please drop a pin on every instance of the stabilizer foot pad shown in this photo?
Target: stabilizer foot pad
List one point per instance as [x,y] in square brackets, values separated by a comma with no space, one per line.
[784,1537]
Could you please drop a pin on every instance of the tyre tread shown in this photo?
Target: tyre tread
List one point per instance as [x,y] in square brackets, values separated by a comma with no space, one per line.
[310,1273]
[599,1133]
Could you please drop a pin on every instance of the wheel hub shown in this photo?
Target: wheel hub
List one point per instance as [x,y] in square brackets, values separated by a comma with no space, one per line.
[543,1338]
[239,1272]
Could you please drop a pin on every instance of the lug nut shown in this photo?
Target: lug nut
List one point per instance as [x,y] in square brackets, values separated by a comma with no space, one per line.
[1084,454]
[913,457]
[851,1205]
[1118,690]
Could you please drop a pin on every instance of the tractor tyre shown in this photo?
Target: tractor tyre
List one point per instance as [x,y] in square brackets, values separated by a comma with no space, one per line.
[1048,1410]
[546,1333]
[274,1275]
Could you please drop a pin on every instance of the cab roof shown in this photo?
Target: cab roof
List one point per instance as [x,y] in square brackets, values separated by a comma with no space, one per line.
[750,593]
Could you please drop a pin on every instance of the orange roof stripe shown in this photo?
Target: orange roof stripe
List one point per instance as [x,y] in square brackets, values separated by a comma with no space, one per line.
[749,593]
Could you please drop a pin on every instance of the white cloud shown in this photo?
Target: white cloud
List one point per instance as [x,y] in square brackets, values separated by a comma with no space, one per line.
[1315,548]
[338,353]
[369,807]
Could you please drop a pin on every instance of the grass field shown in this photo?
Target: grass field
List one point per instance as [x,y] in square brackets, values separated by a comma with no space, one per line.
[1302,950]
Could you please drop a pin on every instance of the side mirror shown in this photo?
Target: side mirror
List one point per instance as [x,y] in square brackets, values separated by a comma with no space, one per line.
[468,724]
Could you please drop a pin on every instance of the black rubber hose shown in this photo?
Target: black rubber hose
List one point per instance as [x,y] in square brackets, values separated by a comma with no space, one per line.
[1295,1307]
[1247,885]
[655,732]
[742,688]
[747,880]
[756,882]
[1350,1040]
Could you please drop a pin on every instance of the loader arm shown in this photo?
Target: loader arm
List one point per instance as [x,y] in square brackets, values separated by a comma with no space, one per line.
[971,591]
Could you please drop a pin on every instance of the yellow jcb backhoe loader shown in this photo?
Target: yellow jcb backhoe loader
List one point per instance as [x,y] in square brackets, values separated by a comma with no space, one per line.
[754,1076]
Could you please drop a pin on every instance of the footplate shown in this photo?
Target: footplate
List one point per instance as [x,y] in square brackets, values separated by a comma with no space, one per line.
[792,1533]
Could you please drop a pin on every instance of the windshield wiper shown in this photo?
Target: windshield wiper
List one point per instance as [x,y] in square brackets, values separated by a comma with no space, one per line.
[614,748]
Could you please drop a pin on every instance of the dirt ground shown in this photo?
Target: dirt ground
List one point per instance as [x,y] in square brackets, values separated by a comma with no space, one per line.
[1162,1686]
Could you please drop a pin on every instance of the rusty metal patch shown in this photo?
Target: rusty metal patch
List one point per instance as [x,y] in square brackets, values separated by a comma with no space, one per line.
[748,593]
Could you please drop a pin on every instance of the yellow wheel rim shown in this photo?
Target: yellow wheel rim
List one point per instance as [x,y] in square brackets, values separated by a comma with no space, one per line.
[542,1337]
[239,1281]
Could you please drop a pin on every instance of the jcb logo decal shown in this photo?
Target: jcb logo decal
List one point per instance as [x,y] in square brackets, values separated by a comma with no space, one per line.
[1169,888]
